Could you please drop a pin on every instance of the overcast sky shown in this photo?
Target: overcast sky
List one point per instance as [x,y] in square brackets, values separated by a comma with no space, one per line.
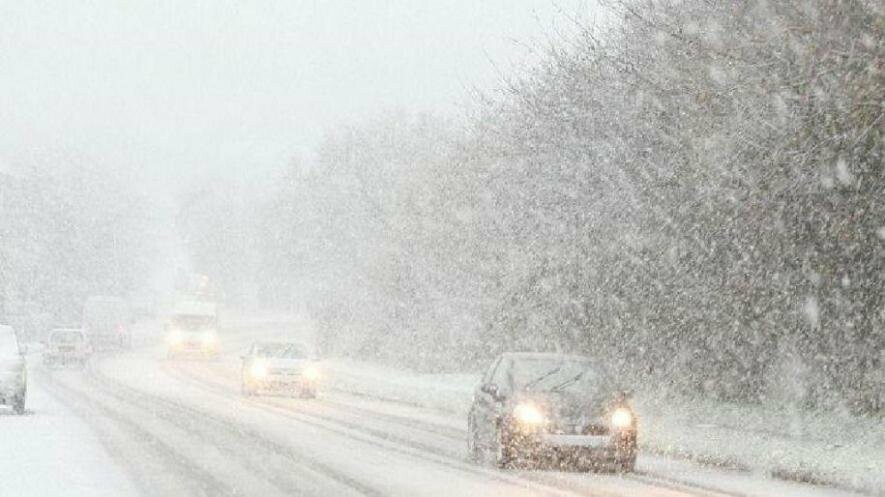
[183,87]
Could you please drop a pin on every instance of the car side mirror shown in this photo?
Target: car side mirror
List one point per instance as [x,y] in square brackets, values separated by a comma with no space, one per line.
[623,395]
[491,389]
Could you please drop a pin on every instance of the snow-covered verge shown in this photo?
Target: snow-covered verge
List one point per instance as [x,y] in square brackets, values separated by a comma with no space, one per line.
[841,451]
[450,393]
[818,447]
[50,451]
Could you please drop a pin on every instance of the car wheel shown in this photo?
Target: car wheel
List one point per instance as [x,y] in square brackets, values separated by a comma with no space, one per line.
[503,450]
[626,465]
[474,453]
[18,404]
[246,389]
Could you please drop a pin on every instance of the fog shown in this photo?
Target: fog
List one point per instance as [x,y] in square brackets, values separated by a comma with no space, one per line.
[178,89]
[598,247]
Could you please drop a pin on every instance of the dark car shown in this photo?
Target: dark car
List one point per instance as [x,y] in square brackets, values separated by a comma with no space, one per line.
[536,408]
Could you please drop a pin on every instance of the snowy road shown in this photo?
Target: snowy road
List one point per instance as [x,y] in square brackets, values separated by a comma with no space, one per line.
[182,428]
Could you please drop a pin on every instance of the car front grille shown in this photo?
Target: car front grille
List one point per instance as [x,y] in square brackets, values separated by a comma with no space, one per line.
[595,429]
[592,429]
[283,372]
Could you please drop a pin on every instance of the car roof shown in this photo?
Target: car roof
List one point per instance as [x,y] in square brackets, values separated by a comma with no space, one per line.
[544,355]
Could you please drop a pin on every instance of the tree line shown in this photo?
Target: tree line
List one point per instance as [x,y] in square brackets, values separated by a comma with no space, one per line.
[694,194]
[68,230]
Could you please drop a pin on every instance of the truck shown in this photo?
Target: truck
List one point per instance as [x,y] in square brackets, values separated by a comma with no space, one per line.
[192,330]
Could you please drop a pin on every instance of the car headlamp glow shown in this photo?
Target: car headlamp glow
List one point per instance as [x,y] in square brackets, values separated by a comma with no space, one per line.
[311,373]
[209,338]
[258,370]
[622,418]
[529,414]
[174,337]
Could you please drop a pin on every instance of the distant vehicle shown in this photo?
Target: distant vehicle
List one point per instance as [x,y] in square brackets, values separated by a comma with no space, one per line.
[13,371]
[279,367]
[143,307]
[106,320]
[67,346]
[534,408]
[192,330]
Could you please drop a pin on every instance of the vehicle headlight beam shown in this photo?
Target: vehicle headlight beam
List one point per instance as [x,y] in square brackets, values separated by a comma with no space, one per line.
[258,370]
[311,373]
[529,414]
[622,418]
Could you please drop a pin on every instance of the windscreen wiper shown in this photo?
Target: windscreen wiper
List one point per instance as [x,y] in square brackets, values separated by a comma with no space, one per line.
[537,380]
[569,381]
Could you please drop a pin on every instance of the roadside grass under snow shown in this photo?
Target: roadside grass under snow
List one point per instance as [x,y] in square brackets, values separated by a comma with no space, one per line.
[814,447]
[827,448]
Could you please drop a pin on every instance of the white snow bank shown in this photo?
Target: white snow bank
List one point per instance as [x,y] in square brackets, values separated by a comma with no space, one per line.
[450,393]
[51,452]
[845,451]
[822,447]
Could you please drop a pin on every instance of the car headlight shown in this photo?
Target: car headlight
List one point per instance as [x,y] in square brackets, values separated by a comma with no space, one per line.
[258,370]
[311,373]
[622,418]
[529,414]
[174,337]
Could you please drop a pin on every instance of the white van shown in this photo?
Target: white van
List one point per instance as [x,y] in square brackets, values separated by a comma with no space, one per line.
[13,371]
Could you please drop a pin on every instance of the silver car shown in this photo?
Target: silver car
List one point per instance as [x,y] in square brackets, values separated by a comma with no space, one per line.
[13,371]
[279,367]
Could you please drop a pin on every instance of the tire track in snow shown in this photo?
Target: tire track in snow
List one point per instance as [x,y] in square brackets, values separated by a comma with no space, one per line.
[536,481]
[211,428]
[153,452]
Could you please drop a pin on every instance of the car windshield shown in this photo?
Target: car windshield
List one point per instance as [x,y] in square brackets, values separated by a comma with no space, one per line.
[280,350]
[192,323]
[544,374]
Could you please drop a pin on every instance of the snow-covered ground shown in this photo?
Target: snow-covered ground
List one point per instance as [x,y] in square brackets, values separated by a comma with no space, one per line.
[51,452]
[135,423]
[825,448]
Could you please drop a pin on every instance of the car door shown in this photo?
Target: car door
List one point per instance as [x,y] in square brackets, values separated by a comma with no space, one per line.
[486,407]
[248,358]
